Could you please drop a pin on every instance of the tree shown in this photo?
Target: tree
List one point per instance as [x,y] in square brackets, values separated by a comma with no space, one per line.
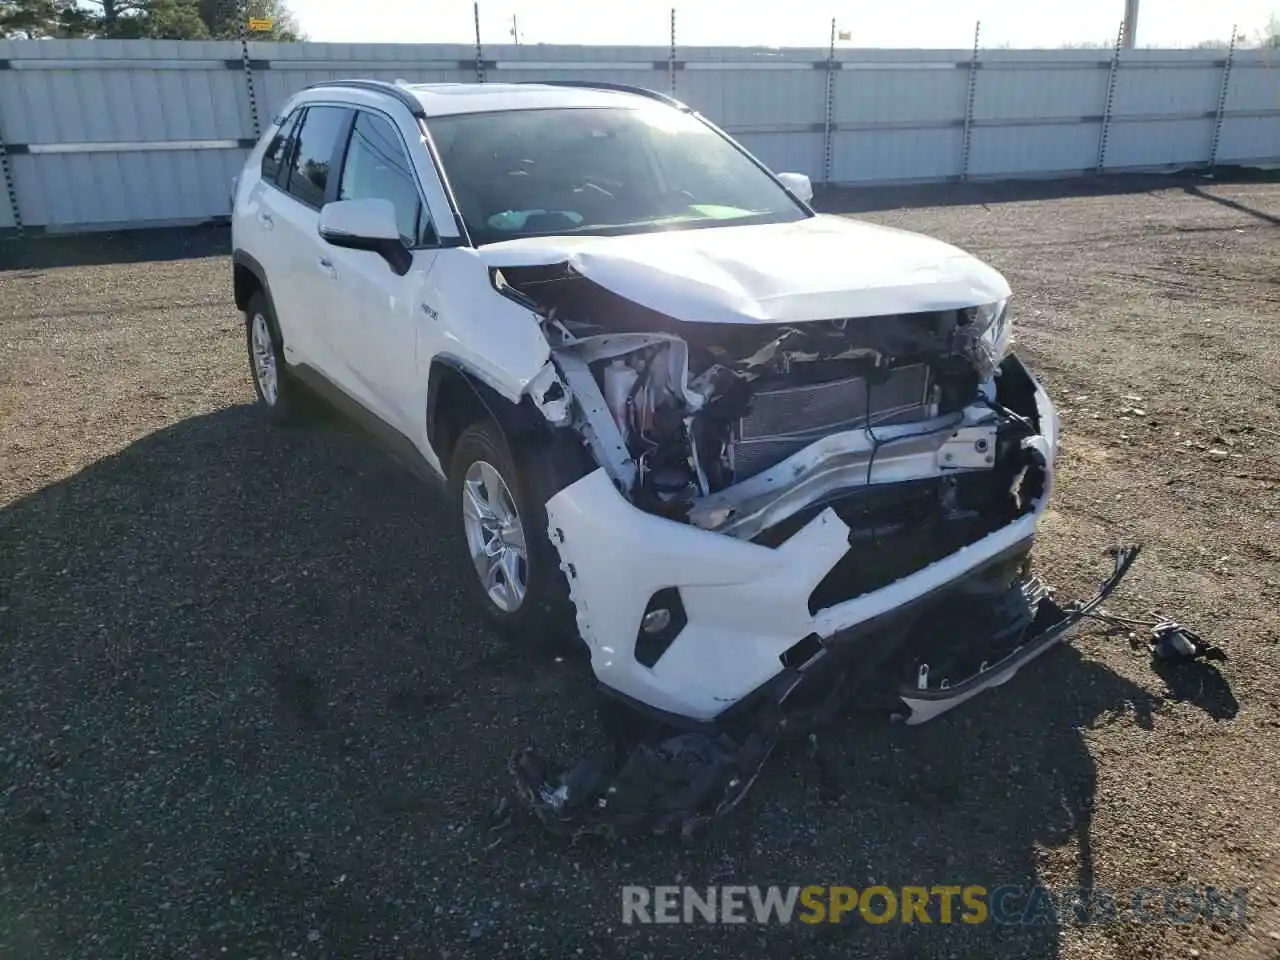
[174,20]
[224,18]
[108,18]
[130,19]
[94,19]
[31,19]
[1271,34]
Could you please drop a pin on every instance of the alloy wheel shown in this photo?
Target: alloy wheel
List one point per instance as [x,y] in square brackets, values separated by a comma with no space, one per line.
[264,359]
[495,536]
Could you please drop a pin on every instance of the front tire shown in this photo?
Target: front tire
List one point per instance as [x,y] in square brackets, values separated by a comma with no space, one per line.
[275,388]
[513,572]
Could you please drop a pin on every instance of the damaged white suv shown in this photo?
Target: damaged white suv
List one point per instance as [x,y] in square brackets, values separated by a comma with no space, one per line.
[743,451]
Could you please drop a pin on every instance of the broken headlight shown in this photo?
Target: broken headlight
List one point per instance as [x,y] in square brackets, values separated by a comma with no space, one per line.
[992,329]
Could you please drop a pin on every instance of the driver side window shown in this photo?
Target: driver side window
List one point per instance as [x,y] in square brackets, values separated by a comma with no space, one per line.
[377,166]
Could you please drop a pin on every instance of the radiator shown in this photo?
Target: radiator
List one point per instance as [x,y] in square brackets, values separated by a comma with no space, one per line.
[784,420]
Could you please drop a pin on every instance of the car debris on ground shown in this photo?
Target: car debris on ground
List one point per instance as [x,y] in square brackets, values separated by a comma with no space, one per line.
[680,783]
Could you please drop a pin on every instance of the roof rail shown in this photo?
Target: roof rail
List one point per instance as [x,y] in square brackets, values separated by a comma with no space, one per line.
[378,86]
[416,108]
[610,85]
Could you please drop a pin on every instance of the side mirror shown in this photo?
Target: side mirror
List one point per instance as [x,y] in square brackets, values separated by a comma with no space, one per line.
[366,225]
[798,183]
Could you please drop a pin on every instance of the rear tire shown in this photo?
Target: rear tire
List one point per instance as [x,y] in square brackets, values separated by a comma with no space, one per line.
[276,388]
[498,497]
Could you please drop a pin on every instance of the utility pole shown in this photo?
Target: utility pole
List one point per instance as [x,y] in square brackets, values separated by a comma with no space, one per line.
[515,30]
[1130,23]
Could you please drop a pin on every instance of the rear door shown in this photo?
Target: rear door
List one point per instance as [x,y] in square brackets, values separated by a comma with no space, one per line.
[254,221]
[374,320]
[304,279]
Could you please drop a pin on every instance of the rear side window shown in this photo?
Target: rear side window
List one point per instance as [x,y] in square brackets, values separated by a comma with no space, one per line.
[317,137]
[377,166]
[278,149]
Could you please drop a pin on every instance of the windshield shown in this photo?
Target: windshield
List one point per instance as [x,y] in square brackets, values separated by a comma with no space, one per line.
[524,173]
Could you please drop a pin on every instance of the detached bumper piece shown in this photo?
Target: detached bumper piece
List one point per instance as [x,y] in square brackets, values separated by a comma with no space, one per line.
[942,650]
[1049,624]
[675,786]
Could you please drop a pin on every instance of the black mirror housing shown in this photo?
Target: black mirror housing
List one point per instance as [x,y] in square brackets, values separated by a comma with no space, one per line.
[398,256]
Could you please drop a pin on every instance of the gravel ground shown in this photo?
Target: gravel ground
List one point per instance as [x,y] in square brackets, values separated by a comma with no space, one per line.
[244,710]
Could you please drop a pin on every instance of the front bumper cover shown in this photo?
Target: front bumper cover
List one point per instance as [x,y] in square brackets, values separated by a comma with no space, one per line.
[1050,624]
[943,649]
[746,605]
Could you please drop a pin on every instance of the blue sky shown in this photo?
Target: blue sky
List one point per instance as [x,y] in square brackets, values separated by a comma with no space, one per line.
[898,23]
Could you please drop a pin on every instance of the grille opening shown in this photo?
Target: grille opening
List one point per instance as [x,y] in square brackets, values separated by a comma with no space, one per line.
[899,529]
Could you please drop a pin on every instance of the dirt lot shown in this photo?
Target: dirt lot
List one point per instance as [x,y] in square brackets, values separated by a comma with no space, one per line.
[244,711]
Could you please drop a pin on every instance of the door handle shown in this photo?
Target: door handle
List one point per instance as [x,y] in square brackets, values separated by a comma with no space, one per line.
[327,266]
[264,218]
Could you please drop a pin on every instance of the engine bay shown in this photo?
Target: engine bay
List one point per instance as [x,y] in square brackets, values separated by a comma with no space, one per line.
[905,423]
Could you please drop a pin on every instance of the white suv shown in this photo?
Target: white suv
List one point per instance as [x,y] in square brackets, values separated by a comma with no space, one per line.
[739,449]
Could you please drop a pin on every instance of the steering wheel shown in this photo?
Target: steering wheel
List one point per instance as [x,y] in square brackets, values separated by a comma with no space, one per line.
[549,222]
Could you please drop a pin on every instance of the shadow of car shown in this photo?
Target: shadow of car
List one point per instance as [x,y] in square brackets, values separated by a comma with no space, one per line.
[244,701]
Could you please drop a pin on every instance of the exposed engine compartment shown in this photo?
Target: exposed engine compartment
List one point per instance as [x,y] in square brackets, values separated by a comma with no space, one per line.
[898,422]
[732,417]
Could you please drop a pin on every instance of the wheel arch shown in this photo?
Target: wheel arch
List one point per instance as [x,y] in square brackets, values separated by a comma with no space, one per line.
[248,277]
[457,397]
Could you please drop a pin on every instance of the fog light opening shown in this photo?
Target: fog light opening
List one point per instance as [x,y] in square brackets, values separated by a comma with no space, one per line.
[660,624]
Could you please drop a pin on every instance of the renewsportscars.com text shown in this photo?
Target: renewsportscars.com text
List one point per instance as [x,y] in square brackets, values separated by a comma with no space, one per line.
[940,903]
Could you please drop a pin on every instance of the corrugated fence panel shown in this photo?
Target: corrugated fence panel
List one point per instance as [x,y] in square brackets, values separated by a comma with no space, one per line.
[79,106]
[1028,150]
[934,94]
[141,131]
[1255,82]
[743,99]
[57,93]
[879,155]
[1253,139]
[1159,143]
[793,152]
[12,94]
[1254,92]
[1146,90]
[641,76]
[1053,93]
[119,188]
[565,53]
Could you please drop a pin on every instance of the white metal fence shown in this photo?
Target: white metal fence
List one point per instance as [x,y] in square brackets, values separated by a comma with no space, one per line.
[101,133]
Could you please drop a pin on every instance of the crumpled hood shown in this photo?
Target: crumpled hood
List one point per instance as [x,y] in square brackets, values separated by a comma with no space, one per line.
[821,268]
